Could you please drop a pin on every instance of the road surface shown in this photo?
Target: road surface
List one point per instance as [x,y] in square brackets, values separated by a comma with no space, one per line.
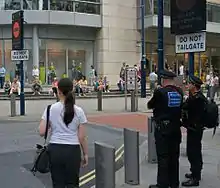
[17,142]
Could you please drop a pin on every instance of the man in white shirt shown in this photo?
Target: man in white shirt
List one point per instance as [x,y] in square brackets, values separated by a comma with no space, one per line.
[35,72]
[153,79]
[181,69]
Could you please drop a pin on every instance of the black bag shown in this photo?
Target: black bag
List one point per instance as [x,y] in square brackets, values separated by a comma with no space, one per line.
[211,116]
[41,161]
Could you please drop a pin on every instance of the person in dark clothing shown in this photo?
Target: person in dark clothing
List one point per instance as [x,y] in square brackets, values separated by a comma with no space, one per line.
[193,110]
[166,104]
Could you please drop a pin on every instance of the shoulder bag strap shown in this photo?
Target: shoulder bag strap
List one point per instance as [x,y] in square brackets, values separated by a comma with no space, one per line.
[47,122]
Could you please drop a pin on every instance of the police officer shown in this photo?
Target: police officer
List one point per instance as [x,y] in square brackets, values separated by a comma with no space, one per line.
[166,104]
[194,109]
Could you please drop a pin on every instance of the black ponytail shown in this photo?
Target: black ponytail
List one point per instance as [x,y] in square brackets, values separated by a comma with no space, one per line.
[68,108]
[65,86]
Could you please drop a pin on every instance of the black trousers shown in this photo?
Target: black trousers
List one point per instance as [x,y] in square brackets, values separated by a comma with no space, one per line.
[168,152]
[194,152]
[65,165]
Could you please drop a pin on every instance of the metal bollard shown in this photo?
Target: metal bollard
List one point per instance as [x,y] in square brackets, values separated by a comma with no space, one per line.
[133,106]
[13,105]
[99,97]
[152,155]
[131,157]
[104,166]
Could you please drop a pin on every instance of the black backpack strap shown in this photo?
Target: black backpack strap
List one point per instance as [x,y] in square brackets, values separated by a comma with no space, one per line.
[47,122]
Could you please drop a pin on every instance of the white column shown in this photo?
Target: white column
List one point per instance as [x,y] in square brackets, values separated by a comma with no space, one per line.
[35,47]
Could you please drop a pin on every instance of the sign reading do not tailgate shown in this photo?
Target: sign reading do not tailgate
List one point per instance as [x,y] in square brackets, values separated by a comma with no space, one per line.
[195,42]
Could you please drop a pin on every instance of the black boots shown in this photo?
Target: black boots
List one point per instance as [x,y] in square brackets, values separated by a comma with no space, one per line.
[189,176]
[191,182]
[154,186]
[157,186]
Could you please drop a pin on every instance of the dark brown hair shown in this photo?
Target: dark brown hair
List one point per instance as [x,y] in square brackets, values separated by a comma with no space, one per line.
[65,86]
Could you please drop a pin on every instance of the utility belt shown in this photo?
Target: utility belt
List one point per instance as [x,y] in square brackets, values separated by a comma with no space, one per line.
[166,125]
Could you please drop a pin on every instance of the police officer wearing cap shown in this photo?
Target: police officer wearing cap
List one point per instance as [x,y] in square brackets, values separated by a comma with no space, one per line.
[193,109]
[166,104]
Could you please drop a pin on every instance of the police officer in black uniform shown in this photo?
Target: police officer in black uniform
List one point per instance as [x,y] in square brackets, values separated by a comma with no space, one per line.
[193,110]
[166,104]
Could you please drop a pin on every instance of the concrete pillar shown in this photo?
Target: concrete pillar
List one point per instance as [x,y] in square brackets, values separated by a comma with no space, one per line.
[35,47]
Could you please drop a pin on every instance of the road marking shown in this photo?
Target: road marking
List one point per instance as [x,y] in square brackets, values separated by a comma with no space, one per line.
[91,175]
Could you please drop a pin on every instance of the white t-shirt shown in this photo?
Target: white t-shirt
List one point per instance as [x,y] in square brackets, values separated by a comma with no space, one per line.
[181,69]
[35,72]
[60,133]
[153,77]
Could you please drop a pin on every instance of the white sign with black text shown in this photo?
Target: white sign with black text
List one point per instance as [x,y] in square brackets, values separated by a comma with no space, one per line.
[195,42]
[20,55]
[131,78]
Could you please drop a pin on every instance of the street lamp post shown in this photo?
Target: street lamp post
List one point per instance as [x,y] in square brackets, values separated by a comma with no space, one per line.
[143,56]
[160,39]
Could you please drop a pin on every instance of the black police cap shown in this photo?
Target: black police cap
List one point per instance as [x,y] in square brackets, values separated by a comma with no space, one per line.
[195,80]
[167,74]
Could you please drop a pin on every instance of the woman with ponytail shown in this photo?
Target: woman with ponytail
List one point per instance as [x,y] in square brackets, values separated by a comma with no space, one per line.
[67,138]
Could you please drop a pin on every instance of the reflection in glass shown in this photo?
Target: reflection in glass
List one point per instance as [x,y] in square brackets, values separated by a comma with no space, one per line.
[1,54]
[89,8]
[57,58]
[166,7]
[42,65]
[28,65]
[149,7]
[61,5]
[215,13]
[76,59]
[11,5]
[94,1]
[39,4]
[10,66]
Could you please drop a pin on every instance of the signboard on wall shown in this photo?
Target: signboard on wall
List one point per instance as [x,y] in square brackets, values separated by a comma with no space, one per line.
[187,16]
[195,42]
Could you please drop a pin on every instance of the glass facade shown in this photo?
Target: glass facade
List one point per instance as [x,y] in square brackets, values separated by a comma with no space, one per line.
[203,61]
[62,54]
[81,6]
[213,10]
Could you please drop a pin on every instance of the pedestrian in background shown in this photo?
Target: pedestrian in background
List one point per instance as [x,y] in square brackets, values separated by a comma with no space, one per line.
[2,76]
[153,80]
[67,138]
